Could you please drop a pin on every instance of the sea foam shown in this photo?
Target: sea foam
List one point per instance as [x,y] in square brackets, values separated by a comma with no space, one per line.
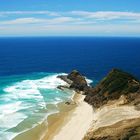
[26,99]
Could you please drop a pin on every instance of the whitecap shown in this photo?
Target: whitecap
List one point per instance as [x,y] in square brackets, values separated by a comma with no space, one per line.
[89,81]
[24,99]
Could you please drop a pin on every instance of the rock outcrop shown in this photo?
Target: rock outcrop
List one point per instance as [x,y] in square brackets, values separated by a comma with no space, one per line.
[64,78]
[79,81]
[115,84]
[75,80]
[112,87]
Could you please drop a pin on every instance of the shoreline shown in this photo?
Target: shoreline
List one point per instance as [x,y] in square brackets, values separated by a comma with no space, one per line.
[57,121]
[74,124]
[44,129]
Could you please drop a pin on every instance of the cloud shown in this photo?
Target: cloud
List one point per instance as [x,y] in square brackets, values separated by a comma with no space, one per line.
[32,20]
[106,15]
[62,20]
[74,30]
[69,23]
[50,13]
[85,15]
[21,21]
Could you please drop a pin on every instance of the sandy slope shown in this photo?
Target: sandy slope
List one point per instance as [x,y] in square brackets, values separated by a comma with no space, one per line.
[112,115]
[112,119]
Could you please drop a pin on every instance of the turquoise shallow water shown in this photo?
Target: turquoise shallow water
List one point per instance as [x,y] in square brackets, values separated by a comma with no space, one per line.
[28,99]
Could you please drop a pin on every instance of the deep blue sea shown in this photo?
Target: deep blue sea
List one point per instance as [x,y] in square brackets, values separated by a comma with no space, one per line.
[29,69]
[93,56]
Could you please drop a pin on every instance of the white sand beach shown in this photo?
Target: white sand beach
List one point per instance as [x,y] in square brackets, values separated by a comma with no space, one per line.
[79,123]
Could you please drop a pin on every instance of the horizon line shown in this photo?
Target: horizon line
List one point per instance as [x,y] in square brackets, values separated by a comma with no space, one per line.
[117,36]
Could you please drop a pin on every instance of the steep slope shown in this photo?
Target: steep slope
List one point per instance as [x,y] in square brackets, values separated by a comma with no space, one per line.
[115,84]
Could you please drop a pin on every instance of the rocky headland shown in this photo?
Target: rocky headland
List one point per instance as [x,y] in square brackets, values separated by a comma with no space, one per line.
[116,104]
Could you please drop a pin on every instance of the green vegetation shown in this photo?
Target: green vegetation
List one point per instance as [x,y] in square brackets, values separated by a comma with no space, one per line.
[119,81]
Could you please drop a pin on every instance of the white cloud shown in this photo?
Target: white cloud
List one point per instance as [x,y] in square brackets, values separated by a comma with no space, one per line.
[107,15]
[71,22]
[79,30]
[21,21]
[50,13]
[98,15]
[31,20]
[62,20]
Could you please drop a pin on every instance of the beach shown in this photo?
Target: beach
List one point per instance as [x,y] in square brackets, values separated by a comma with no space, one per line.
[71,123]
[74,124]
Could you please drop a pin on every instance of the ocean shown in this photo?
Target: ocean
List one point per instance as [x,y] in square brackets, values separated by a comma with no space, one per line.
[29,68]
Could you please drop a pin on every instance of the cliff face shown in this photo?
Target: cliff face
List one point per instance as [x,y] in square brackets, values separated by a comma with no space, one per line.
[114,85]
[123,130]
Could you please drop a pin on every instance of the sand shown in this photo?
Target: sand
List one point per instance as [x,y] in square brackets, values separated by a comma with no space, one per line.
[74,124]
[71,123]
[48,127]
[75,120]
[109,115]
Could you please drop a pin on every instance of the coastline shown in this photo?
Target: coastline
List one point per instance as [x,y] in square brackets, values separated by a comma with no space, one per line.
[74,124]
[57,121]
[78,120]
[51,125]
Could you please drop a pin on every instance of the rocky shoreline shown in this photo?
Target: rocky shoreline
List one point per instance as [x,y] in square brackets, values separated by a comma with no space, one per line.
[118,91]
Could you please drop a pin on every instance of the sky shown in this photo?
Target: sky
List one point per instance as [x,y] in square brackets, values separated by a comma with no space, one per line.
[70,18]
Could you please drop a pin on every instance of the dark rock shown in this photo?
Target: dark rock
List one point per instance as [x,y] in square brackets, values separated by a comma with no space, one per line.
[72,76]
[64,78]
[78,81]
[75,80]
[61,87]
[67,103]
[89,90]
